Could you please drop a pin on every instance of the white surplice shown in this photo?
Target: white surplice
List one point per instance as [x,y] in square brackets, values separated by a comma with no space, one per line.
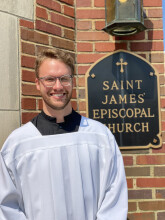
[73,176]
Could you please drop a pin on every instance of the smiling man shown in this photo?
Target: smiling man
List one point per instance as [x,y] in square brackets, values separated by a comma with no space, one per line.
[61,165]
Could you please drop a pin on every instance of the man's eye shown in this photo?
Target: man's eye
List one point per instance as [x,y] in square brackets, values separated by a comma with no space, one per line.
[65,79]
[49,79]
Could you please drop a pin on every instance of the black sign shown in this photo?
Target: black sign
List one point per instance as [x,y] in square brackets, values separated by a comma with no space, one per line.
[123,94]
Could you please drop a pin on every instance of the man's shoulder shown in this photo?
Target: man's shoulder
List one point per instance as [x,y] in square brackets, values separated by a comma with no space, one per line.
[22,133]
[91,125]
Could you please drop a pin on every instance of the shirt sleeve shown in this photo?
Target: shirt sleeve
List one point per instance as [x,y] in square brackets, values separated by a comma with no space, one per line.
[9,196]
[113,203]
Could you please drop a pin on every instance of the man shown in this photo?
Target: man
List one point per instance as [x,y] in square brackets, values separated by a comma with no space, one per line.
[61,166]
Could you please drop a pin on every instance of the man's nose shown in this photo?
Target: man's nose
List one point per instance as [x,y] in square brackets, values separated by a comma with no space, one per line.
[57,84]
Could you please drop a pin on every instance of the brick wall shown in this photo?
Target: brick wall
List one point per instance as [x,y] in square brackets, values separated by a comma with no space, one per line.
[54,26]
[145,169]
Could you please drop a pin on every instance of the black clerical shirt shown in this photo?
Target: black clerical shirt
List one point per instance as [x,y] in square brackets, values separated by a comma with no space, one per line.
[47,125]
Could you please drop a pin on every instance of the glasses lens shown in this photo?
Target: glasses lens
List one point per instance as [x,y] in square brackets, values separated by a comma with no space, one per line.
[48,81]
[66,80]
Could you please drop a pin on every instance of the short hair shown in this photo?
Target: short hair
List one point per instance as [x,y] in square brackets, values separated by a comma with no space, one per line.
[54,54]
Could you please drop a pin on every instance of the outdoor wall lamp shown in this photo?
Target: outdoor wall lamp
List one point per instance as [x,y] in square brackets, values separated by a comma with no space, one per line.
[124,17]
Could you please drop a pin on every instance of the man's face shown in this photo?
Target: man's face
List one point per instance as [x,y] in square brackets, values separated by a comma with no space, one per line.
[56,97]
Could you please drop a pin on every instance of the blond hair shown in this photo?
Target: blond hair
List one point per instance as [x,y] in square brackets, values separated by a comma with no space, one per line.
[54,54]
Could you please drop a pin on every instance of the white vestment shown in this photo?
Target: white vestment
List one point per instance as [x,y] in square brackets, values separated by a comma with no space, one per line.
[73,176]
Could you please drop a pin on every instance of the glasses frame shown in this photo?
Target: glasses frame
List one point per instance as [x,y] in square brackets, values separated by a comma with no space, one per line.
[55,79]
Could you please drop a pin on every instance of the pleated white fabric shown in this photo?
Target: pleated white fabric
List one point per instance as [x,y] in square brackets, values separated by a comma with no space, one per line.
[73,176]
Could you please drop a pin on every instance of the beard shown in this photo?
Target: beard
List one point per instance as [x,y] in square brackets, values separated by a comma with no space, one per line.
[58,105]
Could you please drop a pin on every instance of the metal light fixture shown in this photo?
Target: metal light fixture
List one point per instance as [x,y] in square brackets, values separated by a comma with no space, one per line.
[124,17]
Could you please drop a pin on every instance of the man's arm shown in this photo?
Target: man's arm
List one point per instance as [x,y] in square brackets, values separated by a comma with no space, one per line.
[113,204]
[9,196]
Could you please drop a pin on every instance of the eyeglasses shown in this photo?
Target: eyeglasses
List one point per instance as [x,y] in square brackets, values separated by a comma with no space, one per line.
[49,81]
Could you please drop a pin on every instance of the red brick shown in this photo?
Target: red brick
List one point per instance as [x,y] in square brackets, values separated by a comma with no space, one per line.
[141,216]
[155,13]
[162,90]
[128,160]
[155,35]
[161,79]
[82,69]
[149,3]
[74,82]
[28,103]
[152,205]
[108,47]
[54,5]
[82,106]
[139,194]
[130,183]
[147,46]
[99,3]
[150,159]
[28,116]
[88,58]
[84,25]
[163,135]
[137,171]
[159,171]
[162,102]
[62,43]
[69,34]
[157,58]
[132,206]
[40,104]
[81,93]
[62,20]
[34,36]
[28,61]
[28,76]
[160,193]
[84,47]
[81,82]
[159,67]
[28,48]
[41,13]
[161,216]
[92,36]
[69,11]
[48,28]
[153,24]
[163,116]
[150,182]
[142,55]
[163,125]
[134,152]
[99,25]
[84,3]
[30,90]
[69,2]
[27,24]
[74,94]
[90,13]
[74,105]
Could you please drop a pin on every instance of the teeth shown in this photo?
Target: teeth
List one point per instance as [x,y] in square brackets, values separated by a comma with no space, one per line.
[58,95]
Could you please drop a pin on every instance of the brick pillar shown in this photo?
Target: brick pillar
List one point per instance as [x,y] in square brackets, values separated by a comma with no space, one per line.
[53,26]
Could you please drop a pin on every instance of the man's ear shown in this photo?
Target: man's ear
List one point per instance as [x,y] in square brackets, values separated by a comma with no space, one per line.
[37,84]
